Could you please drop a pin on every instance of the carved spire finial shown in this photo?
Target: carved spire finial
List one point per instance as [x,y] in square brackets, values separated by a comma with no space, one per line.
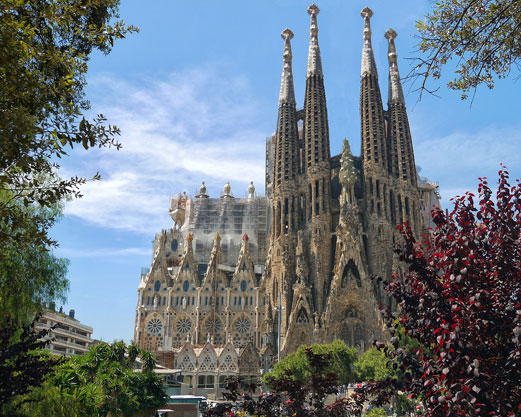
[395,83]
[367,13]
[287,91]
[368,63]
[314,59]
[391,35]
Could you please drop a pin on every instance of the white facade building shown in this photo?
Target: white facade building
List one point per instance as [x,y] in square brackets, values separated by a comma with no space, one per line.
[69,337]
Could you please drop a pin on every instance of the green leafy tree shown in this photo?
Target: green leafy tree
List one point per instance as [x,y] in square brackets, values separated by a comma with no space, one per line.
[376,412]
[23,363]
[483,37]
[32,276]
[297,364]
[44,53]
[108,380]
[372,365]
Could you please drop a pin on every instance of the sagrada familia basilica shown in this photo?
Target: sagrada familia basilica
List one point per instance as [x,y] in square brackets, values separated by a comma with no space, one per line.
[267,274]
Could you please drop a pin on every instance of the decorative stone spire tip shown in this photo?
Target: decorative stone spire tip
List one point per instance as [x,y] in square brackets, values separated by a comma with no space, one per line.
[287,34]
[366,13]
[245,236]
[287,91]
[391,35]
[217,237]
[395,84]
[314,60]
[313,9]
[368,62]
[189,237]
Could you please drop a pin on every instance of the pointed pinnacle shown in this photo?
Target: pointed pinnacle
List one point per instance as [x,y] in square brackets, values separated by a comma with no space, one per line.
[217,237]
[367,13]
[368,62]
[313,11]
[287,90]
[287,35]
[391,35]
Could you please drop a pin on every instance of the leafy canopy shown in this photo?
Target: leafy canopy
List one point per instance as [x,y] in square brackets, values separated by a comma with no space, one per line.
[110,379]
[30,276]
[297,364]
[45,47]
[23,364]
[483,37]
[460,299]
[372,365]
[291,396]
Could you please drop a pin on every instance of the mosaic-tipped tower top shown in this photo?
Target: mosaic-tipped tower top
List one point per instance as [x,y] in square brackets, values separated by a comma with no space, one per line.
[395,84]
[287,90]
[314,59]
[368,62]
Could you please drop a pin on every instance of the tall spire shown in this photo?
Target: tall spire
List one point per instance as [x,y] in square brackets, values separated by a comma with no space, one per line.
[395,85]
[287,90]
[368,62]
[314,60]
[286,153]
[316,129]
[401,156]
[374,146]
[317,167]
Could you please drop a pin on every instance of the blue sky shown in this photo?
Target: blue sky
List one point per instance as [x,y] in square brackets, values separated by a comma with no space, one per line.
[195,95]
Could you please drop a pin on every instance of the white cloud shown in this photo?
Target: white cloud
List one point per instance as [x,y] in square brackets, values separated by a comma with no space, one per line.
[193,126]
[458,159]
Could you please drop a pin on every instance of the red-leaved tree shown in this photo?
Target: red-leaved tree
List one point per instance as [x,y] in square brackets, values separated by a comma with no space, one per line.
[460,299]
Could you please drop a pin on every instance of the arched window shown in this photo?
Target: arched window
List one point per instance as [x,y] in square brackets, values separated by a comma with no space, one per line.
[244,285]
[302,316]
[351,272]
[157,286]
[186,286]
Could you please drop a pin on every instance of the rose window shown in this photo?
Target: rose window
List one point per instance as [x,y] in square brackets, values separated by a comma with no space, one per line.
[184,325]
[243,325]
[154,326]
[213,325]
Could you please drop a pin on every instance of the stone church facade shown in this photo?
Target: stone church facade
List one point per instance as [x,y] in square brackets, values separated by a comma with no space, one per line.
[293,267]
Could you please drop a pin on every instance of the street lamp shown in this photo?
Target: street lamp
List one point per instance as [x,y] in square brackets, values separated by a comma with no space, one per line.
[279,313]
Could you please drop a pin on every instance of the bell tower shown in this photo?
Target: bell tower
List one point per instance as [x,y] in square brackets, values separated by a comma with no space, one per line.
[317,168]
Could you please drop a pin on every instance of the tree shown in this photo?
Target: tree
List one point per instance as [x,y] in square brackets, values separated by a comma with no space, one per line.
[372,365]
[482,36]
[32,276]
[460,299]
[340,362]
[23,365]
[290,395]
[45,47]
[108,380]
